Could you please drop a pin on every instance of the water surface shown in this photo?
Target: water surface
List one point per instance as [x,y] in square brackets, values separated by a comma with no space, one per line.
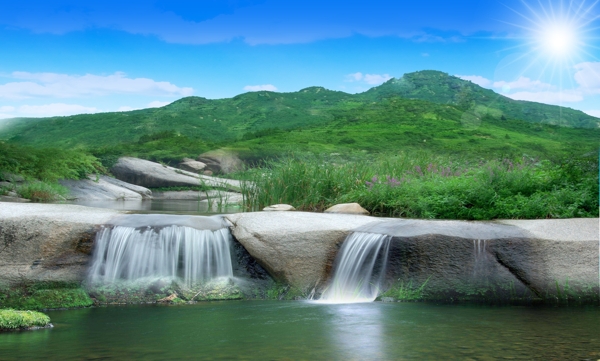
[294,330]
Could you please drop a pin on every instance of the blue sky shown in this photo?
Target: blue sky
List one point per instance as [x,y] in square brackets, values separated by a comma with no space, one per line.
[61,57]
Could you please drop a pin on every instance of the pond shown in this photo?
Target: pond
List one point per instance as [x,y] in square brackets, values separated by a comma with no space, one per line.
[301,330]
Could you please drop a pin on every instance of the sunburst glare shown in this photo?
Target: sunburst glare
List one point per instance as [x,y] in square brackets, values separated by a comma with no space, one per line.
[559,33]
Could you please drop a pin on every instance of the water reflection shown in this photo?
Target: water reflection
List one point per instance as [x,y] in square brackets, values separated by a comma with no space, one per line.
[177,206]
[356,331]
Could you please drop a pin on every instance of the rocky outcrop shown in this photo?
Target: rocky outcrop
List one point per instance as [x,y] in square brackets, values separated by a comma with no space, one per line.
[296,248]
[47,242]
[347,208]
[221,161]
[480,261]
[192,165]
[154,175]
[101,187]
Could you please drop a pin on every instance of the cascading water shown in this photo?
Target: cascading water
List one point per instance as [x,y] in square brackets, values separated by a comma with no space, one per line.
[176,252]
[359,269]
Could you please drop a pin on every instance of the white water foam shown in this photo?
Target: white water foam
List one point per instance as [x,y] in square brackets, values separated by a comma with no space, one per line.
[177,252]
[359,269]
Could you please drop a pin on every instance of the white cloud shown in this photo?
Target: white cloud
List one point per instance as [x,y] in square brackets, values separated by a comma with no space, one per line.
[522,83]
[7,108]
[549,97]
[371,79]
[126,108]
[593,113]
[479,80]
[69,86]
[256,88]
[54,109]
[157,104]
[354,76]
[376,79]
[588,76]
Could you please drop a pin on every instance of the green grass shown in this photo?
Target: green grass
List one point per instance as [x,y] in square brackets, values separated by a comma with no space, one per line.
[421,185]
[13,319]
[45,295]
[406,291]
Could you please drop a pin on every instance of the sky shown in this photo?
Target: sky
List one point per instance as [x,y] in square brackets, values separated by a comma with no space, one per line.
[63,57]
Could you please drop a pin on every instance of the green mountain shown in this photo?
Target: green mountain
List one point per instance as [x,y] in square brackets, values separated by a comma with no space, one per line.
[438,87]
[426,109]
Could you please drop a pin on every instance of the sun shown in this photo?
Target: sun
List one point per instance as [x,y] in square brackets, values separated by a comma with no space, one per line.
[558,40]
[559,30]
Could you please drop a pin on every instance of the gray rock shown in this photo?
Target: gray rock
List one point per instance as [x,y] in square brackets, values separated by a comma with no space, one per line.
[481,261]
[105,188]
[47,242]
[214,196]
[8,185]
[192,165]
[11,177]
[154,175]
[221,161]
[348,208]
[296,248]
[14,199]
[279,207]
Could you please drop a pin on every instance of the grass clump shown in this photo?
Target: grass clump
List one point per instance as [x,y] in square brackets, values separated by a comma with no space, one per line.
[421,185]
[13,319]
[402,291]
[45,295]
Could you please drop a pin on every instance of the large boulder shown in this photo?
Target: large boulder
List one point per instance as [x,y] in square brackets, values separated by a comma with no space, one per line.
[221,161]
[155,175]
[481,261]
[296,248]
[101,187]
[47,242]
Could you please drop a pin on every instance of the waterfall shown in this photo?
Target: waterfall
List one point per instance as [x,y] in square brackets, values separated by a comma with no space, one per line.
[177,252]
[359,269]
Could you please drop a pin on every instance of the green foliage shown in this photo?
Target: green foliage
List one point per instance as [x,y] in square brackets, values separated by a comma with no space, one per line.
[41,191]
[420,185]
[418,107]
[12,319]
[406,291]
[45,295]
[47,164]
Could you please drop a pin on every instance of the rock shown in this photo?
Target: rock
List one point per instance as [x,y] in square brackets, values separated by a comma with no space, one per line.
[14,199]
[192,165]
[348,208]
[12,194]
[221,161]
[104,188]
[47,242]
[296,248]
[208,172]
[10,177]
[154,175]
[478,261]
[8,185]
[387,299]
[279,207]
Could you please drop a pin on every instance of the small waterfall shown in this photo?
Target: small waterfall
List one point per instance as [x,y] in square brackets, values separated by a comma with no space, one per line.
[359,269]
[176,252]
